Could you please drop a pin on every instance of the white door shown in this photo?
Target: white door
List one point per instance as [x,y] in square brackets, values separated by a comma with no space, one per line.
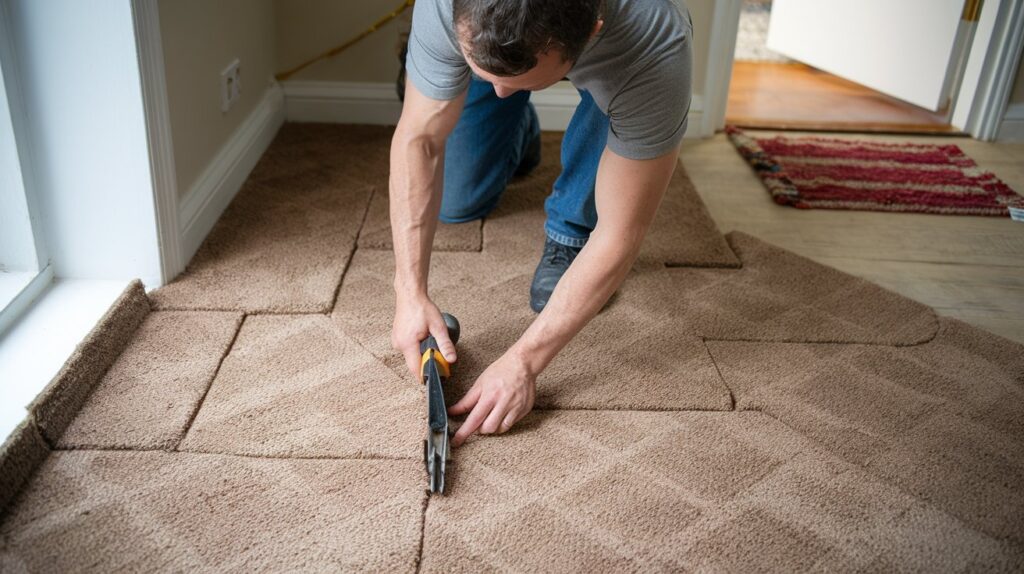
[907,49]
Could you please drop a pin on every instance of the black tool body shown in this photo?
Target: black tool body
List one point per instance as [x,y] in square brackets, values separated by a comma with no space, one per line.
[435,371]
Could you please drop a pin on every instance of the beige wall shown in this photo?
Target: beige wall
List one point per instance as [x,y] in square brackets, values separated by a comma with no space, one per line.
[200,38]
[306,28]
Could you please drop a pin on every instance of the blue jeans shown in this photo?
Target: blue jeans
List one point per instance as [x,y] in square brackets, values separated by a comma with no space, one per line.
[487,145]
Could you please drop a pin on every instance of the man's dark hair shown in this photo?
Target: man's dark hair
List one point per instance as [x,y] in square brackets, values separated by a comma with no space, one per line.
[505,36]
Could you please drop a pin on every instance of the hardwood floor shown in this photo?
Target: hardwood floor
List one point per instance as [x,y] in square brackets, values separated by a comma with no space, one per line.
[971,268]
[796,96]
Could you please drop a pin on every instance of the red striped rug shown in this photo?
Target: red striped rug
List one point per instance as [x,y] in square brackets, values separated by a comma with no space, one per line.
[849,174]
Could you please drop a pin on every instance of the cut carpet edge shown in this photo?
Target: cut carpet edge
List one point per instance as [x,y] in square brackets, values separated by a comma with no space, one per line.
[734,237]
[20,456]
[59,402]
[50,413]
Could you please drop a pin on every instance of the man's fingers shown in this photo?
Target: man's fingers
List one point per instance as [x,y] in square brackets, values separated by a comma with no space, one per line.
[412,360]
[493,422]
[510,419]
[444,342]
[473,422]
[466,402]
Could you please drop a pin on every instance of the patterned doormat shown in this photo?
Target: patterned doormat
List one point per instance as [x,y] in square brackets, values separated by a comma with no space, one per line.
[864,175]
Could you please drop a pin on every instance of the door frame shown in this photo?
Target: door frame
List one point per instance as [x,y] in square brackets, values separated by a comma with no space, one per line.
[146,22]
[987,81]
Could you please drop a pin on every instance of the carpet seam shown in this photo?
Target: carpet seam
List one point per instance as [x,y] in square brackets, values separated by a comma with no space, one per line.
[351,254]
[721,377]
[237,454]
[423,533]
[931,338]
[239,310]
[213,378]
[632,410]
[738,266]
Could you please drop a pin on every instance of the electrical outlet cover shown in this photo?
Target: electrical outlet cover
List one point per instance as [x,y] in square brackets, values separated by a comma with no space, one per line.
[230,85]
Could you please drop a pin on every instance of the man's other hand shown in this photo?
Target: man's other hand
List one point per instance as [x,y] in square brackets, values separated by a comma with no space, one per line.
[415,319]
[502,395]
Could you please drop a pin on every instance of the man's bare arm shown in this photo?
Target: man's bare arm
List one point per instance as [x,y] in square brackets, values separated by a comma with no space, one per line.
[417,169]
[627,196]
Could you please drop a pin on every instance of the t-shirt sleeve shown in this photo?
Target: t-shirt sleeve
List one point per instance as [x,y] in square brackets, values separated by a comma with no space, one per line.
[648,117]
[434,62]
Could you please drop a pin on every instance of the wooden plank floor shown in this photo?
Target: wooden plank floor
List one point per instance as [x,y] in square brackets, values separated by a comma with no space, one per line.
[971,268]
[796,96]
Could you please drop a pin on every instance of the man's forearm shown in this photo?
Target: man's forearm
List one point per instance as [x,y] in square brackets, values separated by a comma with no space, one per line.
[416,171]
[628,193]
[587,285]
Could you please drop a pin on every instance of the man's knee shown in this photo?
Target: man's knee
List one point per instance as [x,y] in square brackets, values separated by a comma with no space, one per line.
[461,203]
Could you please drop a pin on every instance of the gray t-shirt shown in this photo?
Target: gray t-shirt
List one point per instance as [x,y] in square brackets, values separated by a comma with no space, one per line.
[637,69]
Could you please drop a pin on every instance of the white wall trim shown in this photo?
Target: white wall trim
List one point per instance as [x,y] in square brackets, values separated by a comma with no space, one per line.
[992,63]
[555,106]
[1012,127]
[377,104]
[145,14]
[725,22]
[224,175]
[342,102]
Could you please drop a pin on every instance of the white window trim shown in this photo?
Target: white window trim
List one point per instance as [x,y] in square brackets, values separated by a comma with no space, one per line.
[11,310]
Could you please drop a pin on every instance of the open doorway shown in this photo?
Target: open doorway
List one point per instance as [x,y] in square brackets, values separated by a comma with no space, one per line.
[771,90]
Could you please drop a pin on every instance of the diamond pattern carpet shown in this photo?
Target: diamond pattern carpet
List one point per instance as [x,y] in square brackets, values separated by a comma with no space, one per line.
[735,407]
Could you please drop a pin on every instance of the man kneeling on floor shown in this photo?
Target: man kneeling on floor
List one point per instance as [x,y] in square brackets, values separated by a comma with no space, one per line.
[468,127]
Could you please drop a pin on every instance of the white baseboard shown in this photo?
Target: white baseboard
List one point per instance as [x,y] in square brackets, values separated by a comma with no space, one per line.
[226,172]
[1011,130]
[378,104]
[342,103]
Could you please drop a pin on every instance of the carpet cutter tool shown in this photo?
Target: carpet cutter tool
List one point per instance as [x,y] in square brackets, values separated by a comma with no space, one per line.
[435,372]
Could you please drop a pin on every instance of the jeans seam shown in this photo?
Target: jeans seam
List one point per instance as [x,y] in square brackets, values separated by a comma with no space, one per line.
[564,239]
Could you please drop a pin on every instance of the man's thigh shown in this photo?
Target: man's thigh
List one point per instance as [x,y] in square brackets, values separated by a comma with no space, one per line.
[482,152]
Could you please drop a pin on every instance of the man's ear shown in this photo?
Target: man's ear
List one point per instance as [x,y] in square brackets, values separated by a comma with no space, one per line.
[597,27]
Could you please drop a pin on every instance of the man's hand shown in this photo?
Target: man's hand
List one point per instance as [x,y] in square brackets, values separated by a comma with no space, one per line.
[501,396]
[415,319]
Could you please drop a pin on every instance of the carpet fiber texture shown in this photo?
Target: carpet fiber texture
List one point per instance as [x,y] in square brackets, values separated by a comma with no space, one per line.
[735,407]
[850,174]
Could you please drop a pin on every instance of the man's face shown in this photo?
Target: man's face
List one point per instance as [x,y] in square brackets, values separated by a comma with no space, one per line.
[550,69]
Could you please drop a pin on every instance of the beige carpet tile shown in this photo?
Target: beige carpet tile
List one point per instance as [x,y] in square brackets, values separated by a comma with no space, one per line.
[298,386]
[58,404]
[376,232]
[306,150]
[280,247]
[942,420]
[91,511]
[629,491]
[148,396]
[20,454]
[628,357]
[780,296]
[815,513]
[683,233]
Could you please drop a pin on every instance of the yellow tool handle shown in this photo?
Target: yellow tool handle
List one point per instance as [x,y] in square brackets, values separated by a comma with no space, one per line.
[442,364]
